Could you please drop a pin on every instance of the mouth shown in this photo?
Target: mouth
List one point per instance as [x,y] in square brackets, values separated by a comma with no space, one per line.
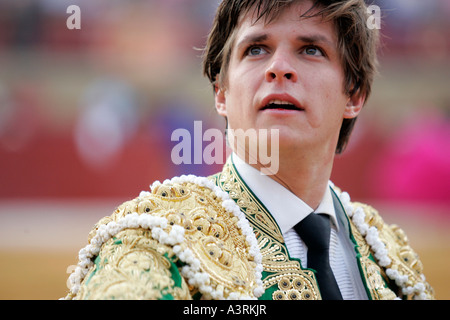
[285,103]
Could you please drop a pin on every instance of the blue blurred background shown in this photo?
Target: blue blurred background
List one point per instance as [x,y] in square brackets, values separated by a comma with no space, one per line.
[86,118]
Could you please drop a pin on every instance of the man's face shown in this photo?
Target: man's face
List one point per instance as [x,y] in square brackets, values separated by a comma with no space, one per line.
[287,75]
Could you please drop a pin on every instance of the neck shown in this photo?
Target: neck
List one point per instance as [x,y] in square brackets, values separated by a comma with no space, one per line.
[305,174]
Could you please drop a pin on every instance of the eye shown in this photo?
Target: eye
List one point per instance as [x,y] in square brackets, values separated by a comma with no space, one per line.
[312,51]
[255,50]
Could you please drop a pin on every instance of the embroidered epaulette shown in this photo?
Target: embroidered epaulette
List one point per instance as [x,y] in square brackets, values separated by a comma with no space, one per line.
[183,239]
[390,247]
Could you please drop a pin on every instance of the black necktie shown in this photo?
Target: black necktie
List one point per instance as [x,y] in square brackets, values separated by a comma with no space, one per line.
[314,230]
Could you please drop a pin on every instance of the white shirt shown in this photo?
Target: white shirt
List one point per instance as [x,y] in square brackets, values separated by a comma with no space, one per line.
[288,210]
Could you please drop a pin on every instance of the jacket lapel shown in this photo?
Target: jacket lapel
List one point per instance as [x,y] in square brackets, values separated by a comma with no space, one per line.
[373,277]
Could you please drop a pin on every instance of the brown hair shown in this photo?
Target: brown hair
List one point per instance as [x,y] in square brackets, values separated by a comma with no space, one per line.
[357,44]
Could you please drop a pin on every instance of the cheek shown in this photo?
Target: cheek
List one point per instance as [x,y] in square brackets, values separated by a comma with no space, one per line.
[327,100]
[240,93]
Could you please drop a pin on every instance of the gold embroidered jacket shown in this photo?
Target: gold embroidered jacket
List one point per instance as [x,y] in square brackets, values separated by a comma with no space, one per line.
[191,239]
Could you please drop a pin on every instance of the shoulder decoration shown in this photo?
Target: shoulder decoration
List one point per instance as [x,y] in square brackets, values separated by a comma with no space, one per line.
[199,224]
[390,247]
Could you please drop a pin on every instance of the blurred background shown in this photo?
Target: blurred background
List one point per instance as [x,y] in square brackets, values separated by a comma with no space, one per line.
[86,118]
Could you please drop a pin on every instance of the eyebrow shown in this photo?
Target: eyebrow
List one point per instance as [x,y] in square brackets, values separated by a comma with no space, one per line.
[316,38]
[252,38]
[310,39]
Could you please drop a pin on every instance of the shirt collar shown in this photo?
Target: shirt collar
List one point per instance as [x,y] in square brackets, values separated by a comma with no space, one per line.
[285,207]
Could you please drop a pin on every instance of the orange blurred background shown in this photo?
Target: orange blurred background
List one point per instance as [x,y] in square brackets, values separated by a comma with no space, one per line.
[86,118]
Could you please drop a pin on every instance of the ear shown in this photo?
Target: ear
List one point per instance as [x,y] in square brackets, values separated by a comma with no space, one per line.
[220,101]
[354,105]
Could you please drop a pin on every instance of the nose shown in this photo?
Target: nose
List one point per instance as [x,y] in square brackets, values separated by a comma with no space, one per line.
[281,69]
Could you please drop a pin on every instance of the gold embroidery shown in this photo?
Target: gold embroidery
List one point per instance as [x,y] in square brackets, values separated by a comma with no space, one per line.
[132,266]
[294,287]
[212,234]
[403,258]
[371,271]
[293,282]
[255,213]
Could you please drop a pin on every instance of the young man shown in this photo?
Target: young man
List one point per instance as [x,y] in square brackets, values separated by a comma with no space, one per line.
[304,70]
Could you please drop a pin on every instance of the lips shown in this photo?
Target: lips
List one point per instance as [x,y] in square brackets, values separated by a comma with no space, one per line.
[281,102]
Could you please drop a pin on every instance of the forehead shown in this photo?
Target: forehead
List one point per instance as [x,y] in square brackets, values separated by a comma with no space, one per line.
[298,18]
